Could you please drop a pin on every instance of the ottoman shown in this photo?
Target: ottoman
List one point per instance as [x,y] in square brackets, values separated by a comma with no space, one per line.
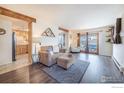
[64,62]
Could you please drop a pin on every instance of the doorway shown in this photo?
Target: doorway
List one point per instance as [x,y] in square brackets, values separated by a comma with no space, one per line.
[21,44]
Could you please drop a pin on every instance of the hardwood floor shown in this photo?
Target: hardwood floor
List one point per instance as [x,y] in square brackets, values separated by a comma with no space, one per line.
[101,68]
[28,74]
[21,61]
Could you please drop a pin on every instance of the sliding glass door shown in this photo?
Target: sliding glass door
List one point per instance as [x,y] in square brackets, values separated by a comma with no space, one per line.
[83,42]
[89,43]
[92,43]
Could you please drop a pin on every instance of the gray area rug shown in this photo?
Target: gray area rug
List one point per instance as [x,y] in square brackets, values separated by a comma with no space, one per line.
[74,74]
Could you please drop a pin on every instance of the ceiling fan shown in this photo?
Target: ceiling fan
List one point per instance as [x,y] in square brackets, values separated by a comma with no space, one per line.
[2,31]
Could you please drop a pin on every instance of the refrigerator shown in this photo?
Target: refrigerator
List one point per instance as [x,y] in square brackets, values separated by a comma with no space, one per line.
[13,46]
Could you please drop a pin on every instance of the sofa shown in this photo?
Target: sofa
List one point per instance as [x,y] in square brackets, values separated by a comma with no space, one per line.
[75,49]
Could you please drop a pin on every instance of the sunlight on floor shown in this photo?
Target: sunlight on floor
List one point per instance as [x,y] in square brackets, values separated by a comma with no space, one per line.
[21,61]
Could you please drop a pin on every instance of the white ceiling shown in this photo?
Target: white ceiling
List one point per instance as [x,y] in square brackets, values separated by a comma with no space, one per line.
[71,16]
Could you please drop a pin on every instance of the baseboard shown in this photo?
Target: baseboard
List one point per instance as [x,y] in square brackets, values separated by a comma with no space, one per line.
[104,55]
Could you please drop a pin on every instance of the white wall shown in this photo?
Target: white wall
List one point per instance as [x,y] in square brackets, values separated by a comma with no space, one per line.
[105,48]
[40,27]
[118,53]
[101,43]
[45,41]
[66,40]
[6,43]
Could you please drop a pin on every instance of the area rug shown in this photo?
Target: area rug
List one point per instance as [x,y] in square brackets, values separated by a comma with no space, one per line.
[74,74]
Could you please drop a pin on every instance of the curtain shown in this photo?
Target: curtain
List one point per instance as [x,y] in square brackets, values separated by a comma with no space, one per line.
[118,30]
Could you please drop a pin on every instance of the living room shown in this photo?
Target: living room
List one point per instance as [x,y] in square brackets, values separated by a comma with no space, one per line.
[68,44]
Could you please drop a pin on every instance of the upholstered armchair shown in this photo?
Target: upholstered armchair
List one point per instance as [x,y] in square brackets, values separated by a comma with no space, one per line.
[46,56]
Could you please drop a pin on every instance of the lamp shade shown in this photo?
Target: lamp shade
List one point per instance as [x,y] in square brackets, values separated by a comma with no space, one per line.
[36,40]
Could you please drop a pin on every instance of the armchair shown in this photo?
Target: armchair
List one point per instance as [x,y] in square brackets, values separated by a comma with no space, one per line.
[46,56]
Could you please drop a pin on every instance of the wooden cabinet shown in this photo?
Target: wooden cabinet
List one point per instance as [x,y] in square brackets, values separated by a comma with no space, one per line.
[21,41]
[21,49]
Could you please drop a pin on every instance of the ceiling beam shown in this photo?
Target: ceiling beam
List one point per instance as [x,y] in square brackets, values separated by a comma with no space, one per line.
[63,29]
[10,13]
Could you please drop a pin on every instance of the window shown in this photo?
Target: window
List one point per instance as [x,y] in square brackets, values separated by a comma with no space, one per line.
[62,39]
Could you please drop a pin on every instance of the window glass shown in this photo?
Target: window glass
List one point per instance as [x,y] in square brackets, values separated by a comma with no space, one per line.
[62,39]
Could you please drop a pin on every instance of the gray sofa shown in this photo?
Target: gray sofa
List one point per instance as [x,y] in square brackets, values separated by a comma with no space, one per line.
[75,49]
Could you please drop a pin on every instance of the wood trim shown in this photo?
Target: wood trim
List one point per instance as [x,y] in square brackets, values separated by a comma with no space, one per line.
[78,39]
[63,29]
[19,30]
[10,13]
[30,42]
